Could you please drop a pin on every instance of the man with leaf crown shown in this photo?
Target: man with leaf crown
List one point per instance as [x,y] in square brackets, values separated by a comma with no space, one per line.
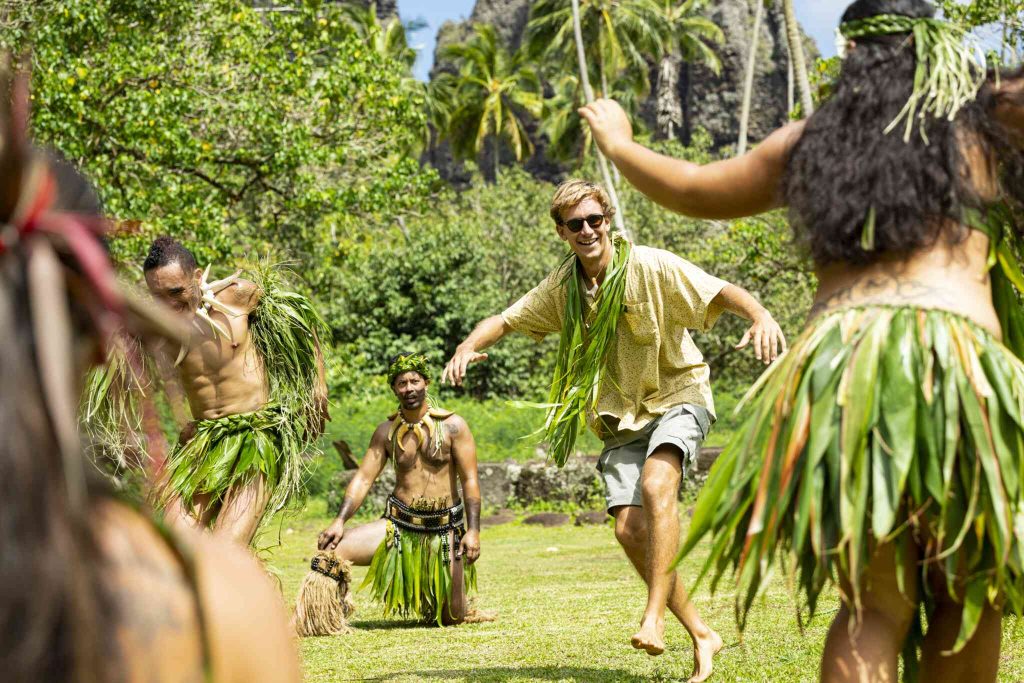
[627,366]
[421,553]
[253,374]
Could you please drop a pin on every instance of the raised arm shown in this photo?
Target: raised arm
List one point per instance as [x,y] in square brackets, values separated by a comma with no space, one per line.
[733,188]
[765,333]
[487,333]
[464,454]
[369,469]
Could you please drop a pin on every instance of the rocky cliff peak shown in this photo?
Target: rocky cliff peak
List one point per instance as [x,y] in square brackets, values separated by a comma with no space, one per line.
[691,96]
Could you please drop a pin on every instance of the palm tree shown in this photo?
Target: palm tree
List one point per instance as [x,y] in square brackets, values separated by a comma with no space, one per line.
[688,37]
[387,39]
[618,37]
[494,93]
[748,79]
[560,123]
[588,94]
[797,57]
[439,100]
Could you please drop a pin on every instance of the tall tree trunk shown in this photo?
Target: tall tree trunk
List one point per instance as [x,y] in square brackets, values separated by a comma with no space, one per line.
[606,92]
[588,93]
[748,79]
[670,110]
[796,50]
[495,151]
[790,81]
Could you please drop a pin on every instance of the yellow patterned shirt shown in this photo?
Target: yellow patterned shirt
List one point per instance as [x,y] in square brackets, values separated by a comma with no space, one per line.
[654,364]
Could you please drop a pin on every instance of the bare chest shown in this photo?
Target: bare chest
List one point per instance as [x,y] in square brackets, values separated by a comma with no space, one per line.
[412,453]
[211,350]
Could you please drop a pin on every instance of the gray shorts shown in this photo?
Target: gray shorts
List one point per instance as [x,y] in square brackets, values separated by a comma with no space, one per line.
[622,460]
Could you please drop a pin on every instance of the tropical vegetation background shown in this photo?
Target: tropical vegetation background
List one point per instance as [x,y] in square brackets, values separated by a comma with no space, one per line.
[410,210]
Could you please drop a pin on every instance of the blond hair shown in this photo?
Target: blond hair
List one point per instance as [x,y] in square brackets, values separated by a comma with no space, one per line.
[572,192]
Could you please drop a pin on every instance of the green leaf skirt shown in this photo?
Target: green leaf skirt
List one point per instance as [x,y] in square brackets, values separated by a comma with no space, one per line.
[881,424]
[413,576]
[227,452]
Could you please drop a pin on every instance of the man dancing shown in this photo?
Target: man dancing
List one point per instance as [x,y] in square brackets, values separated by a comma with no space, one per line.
[253,375]
[627,364]
[421,553]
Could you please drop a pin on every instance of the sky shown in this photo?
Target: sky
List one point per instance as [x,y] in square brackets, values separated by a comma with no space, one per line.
[819,19]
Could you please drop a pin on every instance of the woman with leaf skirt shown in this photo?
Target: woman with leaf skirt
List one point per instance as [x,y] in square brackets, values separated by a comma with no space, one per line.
[884,452]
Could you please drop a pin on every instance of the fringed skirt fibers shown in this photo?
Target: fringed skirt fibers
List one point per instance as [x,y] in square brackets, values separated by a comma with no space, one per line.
[880,425]
[228,452]
[411,574]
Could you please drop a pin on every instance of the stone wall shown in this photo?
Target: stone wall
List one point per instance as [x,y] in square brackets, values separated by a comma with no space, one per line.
[504,484]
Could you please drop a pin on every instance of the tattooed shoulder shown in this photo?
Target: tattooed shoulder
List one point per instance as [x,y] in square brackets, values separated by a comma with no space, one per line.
[880,289]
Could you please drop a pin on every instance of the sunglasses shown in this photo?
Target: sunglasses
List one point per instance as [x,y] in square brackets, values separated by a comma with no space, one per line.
[594,220]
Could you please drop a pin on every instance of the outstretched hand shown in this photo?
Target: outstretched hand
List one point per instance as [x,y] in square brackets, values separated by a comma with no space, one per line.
[609,124]
[767,338]
[455,370]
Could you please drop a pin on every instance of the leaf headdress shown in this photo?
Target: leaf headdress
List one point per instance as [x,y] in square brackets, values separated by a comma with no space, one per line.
[950,68]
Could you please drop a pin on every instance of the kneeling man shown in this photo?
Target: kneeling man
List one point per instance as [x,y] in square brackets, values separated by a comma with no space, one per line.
[421,553]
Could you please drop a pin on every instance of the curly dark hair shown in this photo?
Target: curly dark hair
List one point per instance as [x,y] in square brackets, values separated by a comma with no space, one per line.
[844,163]
[166,250]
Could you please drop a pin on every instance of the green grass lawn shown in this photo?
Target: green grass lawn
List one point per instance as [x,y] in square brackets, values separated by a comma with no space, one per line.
[566,602]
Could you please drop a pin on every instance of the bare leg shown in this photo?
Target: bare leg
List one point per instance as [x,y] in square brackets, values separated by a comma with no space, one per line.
[454,613]
[660,484]
[631,533]
[360,543]
[241,511]
[870,653]
[978,662]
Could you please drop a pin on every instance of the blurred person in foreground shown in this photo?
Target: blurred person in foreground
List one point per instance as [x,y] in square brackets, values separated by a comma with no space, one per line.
[91,589]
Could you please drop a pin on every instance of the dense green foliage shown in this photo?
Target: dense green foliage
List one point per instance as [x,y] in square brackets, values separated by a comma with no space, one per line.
[234,129]
[295,133]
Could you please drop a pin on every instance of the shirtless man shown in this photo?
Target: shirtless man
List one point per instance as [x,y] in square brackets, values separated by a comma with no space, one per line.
[876,449]
[430,447]
[242,455]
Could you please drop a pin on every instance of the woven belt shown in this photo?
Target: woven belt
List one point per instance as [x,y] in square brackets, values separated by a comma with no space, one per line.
[438,522]
[430,521]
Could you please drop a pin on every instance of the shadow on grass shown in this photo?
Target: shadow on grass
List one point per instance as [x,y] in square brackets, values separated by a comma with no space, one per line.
[391,624]
[509,673]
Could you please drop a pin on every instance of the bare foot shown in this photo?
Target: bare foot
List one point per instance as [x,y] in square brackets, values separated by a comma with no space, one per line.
[650,637]
[703,650]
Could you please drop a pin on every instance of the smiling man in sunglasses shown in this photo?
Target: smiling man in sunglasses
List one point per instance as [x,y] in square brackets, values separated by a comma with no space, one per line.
[628,366]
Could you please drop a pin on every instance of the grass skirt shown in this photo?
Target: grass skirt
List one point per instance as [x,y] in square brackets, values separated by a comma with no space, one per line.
[412,576]
[227,452]
[880,424]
